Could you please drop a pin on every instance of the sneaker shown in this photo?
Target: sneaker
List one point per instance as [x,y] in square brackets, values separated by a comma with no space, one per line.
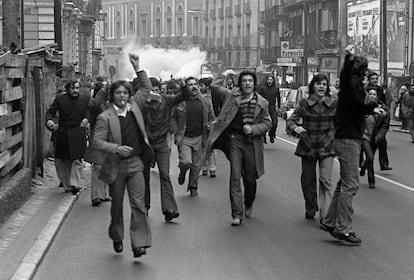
[212,173]
[371,186]
[236,222]
[272,140]
[204,173]
[248,212]
[385,168]
[349,238]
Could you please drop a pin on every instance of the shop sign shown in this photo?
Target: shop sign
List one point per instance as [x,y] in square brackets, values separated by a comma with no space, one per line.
[314,61]
[292,53]
[329,63]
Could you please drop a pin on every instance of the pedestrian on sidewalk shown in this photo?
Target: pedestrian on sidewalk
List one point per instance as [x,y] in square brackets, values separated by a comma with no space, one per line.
[316,144]
[70,131]
[157,110]
[375,128]
[238,131]
[120,133]
[99,188]
[401,94]
[408,110]
[191,122]
[350,113]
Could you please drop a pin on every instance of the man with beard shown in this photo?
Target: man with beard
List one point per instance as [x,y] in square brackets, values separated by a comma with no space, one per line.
[272,94]
[70,134]
[238,132]
[191,122]
[382,145]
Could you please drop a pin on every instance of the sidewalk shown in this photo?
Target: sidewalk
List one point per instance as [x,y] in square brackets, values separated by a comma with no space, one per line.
[27,235]
[396,126]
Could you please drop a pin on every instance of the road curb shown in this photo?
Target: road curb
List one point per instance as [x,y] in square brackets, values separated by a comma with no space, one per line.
[38,250]
[401,131]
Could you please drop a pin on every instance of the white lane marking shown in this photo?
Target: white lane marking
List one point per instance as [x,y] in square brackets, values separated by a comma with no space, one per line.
[398,184]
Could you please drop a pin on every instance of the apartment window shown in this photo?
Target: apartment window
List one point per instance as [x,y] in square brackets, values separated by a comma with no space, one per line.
[179,8]
[195,26]
[247,58]
[179,29]
[118,25]
[239,31]
[169,27]
[144,28]
[131,22]
[206,35]
[157,27]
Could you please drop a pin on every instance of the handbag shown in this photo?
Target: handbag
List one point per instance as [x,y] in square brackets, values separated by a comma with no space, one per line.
[397,111]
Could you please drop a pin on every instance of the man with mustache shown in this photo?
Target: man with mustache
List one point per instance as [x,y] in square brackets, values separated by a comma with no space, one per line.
[191,122]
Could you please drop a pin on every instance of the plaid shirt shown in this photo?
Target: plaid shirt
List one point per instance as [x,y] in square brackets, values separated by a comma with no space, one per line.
[318,120]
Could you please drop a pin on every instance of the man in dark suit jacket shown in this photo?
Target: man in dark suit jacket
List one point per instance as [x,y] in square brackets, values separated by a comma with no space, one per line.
[120,133]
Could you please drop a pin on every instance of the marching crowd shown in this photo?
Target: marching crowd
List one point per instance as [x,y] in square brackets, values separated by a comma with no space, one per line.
[131,127]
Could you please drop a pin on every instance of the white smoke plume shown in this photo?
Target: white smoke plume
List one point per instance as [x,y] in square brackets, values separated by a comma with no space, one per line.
[163,63]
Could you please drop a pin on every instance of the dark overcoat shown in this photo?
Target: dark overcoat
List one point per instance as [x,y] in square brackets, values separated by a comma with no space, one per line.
[70,137]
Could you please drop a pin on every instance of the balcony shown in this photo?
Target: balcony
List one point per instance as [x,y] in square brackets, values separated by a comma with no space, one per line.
[323,40]
[213,14]
[270,54]
[229,12]
[220,13]
[247,9]
[237,10]
[273,14]
[165,41]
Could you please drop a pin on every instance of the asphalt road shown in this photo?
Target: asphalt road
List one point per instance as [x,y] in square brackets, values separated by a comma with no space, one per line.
[275,243]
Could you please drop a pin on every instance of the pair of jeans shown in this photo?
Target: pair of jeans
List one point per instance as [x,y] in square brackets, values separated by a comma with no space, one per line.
[190,154]
[130,176]
[382,153]
[162,153]
[272,131]
[309,188]
[340,211]
[242,165]
[368,149]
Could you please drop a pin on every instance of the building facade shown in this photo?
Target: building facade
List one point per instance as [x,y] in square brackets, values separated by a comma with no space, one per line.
[301,39]
[231,28]
[160,23]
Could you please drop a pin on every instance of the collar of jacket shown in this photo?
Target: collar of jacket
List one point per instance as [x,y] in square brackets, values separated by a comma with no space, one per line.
[120,111]
[328,101]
